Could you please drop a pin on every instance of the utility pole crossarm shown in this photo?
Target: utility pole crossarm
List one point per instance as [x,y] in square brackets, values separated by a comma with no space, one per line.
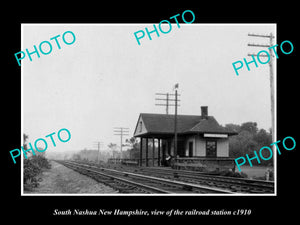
[261,55]
[167,94]
[169,98]
[261,35]
[166,99]
[259,45]
[166,105]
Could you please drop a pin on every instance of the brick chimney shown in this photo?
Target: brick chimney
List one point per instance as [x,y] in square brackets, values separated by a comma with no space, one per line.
[204,111]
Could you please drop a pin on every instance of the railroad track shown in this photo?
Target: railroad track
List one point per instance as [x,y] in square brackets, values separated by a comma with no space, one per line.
[232,184]
[129,182]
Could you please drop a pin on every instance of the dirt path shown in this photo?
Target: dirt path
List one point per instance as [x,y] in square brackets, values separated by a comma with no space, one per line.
[60,179]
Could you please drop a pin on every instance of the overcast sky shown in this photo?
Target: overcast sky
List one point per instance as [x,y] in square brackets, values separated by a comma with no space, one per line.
[105,79]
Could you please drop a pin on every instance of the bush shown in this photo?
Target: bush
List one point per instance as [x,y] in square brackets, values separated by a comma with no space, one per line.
[32,168]
[41,162]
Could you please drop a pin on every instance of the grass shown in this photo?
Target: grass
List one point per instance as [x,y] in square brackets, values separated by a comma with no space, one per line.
[256,172]
[60,179]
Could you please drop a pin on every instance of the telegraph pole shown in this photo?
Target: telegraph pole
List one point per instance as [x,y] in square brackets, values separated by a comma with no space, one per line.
[121,131]
[271,38]
[98,146]
[175,125]
[167,99]
[174,98]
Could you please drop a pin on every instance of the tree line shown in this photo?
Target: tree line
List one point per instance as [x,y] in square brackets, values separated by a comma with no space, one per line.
[248,140]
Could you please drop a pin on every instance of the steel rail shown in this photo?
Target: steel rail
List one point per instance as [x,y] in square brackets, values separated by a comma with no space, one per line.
[120,179]
[199,175]
[189,187]
[243,184]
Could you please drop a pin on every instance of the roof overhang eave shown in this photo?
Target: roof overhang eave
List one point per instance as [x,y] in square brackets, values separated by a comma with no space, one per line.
[155,135]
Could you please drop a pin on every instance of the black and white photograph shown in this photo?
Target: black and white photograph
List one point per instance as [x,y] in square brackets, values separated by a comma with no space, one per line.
[139,115]
[166,116]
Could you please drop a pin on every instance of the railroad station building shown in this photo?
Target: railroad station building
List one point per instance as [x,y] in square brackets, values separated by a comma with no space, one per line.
[200,140]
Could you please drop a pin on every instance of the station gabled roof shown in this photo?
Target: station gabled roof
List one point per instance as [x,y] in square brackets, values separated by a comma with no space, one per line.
[163,125]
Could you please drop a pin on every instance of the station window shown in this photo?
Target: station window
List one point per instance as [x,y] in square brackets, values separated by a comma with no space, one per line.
[211,148]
